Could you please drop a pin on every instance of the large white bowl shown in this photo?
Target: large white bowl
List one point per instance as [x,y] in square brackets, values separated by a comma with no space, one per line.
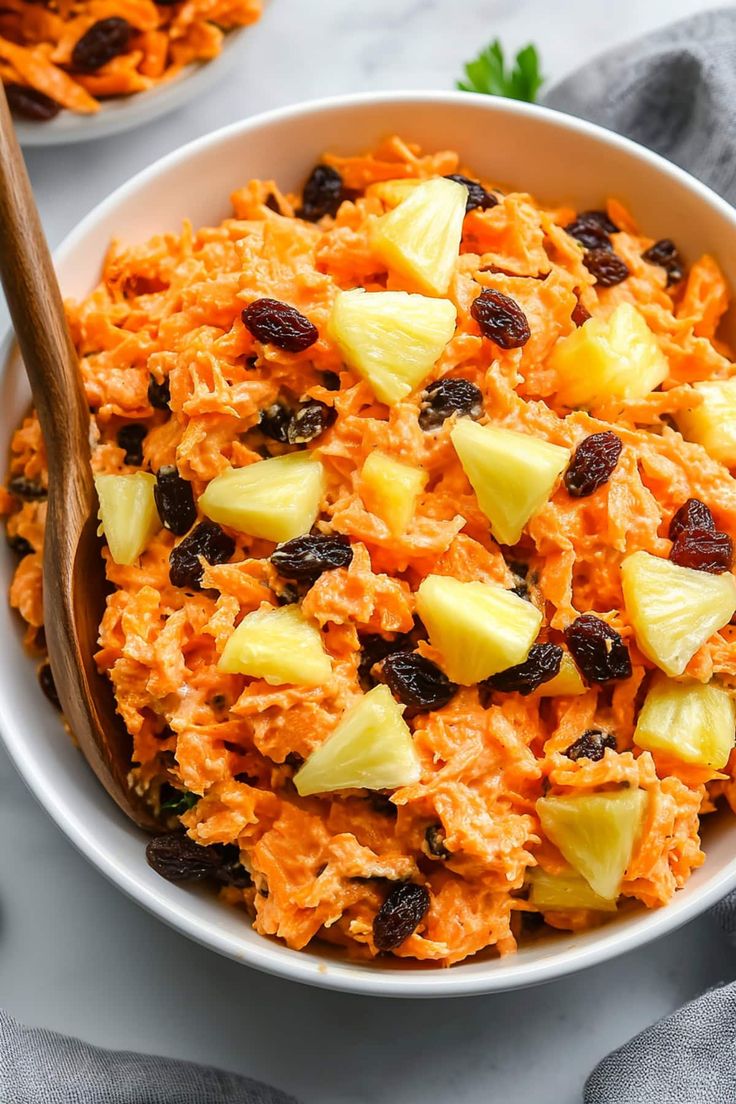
[121,113]
[551,155]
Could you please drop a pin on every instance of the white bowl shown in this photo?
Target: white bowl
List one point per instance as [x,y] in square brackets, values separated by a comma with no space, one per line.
[551,155]
[125,112]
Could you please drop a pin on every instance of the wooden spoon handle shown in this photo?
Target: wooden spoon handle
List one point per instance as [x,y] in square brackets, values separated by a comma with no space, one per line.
[37,312]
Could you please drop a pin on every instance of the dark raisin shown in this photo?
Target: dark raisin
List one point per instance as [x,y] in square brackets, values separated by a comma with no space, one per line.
[331,381]
[294,760]
[400,915]
[274,422]
[446,397]
[541,665]
[29,490]
[374,648]
[179,859]
[20,546]
[104,41]
[306,558]
[434,837]
[477,194]
[47,684]
[598,650]
[323,193]
[174,501]
[276,323]
[592,463]
[580,314]
[501,319]
[309,421]
[665,253]
[703,550]
[589,232]
[29,103]
[606,266]
[382,803]
[591,745]
[230,870]
[130,438]
[417,682]
[210,542]
[159,394]
[602,219]
[693,514]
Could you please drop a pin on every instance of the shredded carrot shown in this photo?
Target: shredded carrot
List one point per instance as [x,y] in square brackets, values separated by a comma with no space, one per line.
[37,44]
[166,319]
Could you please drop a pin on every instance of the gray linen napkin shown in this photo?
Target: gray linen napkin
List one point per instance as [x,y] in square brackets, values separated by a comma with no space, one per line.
[674,92]
[41,1067]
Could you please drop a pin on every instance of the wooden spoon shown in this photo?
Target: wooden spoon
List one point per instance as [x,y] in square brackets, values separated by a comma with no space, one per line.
[74,584]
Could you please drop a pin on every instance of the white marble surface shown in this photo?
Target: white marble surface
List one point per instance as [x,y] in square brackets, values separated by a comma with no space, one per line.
[78,956]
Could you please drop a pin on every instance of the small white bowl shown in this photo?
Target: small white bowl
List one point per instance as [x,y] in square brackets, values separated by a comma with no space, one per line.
[551,155]
[125,112]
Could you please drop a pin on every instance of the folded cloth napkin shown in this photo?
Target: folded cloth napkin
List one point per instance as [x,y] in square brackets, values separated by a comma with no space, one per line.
[672,91]
[41,1067]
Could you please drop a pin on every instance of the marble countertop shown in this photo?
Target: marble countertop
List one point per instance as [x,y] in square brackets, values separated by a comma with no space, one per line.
[75,954]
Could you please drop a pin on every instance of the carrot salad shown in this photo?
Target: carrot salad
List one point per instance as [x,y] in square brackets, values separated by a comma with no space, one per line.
[418,520]
[74,53]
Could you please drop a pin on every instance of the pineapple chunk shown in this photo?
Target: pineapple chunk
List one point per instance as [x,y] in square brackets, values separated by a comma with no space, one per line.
[273,499]
[478,628]
[393,192]
[567,683]
[371,749]
[615,358]
[420,239]
[390,338]
[564,891]
[712,424]
[692,722]
[390,489]
[512,474]
[595,833]
[674,609]
[278,645]
[128,513]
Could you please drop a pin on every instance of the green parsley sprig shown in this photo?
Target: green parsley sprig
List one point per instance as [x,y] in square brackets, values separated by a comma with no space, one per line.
[489,74]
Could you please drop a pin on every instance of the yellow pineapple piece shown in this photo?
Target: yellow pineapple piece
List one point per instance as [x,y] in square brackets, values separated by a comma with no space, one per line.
[273,499]
[613,358]
[478,628]
[391,338]
[712,423]
[278,645]
[567,683]
[420,238]
[689,720]
[674,609]
[513,474]
[371,749]
[595,833]
[128,513]
[390,489]
[393,192]
[550,892]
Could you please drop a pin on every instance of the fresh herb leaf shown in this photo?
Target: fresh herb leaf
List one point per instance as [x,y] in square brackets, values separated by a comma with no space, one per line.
[489,74]
[179,801]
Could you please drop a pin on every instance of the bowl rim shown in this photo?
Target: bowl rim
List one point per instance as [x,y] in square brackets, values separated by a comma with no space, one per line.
[267,955]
